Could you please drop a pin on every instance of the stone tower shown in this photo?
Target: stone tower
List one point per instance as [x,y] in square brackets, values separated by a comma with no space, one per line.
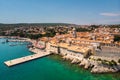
[74,33]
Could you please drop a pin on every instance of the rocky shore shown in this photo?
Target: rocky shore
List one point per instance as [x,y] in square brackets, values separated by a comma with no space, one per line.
[94,65]
[104,69]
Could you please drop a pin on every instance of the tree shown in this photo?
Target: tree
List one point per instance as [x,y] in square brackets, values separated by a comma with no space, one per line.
[116,38]
[82,30]
[119,61]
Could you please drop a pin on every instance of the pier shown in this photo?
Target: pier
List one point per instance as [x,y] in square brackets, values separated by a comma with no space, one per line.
[25,59]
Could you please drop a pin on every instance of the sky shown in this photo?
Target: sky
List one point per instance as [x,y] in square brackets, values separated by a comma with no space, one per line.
[60,11]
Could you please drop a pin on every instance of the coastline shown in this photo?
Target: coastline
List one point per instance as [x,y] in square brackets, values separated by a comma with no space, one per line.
[90,63]
[94,66]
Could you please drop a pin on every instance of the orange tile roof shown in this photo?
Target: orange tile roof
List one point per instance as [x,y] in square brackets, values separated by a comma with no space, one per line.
[72,47]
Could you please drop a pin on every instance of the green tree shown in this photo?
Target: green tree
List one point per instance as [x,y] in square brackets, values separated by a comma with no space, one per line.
[116,38]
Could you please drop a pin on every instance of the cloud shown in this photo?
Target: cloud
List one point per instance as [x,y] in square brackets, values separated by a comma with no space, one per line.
[110,14]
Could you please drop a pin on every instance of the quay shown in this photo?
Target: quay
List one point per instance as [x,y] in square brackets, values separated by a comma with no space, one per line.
[25,59]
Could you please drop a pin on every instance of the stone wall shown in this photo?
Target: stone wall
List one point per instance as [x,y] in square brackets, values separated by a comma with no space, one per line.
[66,52]
[53,49]
[63,51]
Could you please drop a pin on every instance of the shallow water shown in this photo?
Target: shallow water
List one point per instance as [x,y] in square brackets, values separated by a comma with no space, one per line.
[47,68]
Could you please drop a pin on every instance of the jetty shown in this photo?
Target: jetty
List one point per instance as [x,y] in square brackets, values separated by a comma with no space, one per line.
[25,59]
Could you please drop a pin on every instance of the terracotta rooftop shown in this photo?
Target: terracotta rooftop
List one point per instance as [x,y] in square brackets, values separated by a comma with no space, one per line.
[71,47]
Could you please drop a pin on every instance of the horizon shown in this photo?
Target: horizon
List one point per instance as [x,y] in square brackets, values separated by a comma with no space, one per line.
[80,12]
[57,23]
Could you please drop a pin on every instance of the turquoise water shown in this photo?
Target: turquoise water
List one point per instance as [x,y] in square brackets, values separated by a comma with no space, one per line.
[47,68]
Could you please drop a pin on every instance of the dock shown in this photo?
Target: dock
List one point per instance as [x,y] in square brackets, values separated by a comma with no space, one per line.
[25,59]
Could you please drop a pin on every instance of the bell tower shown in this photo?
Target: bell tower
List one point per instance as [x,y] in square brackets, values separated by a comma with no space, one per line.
[74,34]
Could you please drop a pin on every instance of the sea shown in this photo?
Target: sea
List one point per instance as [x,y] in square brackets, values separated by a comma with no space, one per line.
[52,67]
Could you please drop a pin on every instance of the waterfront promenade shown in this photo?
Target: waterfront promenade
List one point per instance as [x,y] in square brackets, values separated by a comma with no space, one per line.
[38,54]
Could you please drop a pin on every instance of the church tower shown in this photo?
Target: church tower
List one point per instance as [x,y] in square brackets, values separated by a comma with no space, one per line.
[74,33]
